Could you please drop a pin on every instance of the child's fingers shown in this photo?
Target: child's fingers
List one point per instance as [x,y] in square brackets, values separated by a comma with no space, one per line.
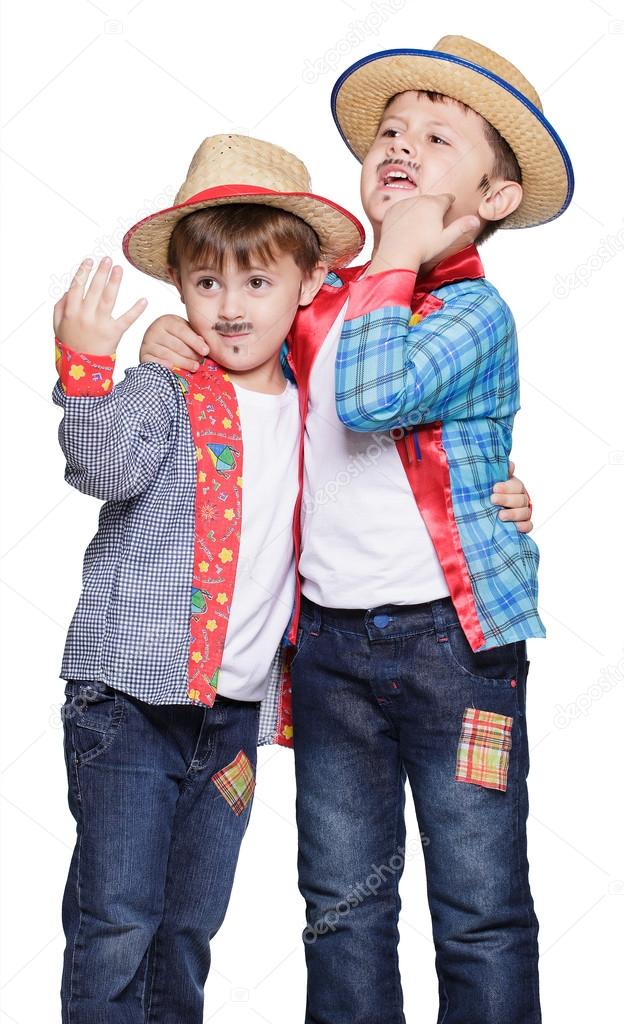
[511,486]
[168,363]
[458,229]
[187,336]
[98,283]
[111,290]
[128,318]
[182,364]
[448,199]
[76,288]
[515,515]
[510,500]
[521,518]
[177,348]
[164,356]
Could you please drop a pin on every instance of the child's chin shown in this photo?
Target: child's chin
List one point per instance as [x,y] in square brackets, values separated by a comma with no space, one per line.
[379,204]
[231,360]
[227,355]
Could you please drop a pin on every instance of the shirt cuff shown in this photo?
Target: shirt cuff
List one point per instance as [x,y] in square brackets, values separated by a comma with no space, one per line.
[82,375]
[391,288]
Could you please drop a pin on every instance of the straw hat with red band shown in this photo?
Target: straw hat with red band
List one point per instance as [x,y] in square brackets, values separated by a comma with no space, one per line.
[238,169]
[483,80]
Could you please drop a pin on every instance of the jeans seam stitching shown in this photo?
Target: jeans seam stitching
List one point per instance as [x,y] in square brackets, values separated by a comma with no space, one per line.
[397,975]
[80,916]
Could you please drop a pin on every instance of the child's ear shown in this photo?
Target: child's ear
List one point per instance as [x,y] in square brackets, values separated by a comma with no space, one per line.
[174,277]
[312,283]
[501,200]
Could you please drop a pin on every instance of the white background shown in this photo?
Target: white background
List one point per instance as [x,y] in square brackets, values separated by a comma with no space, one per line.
[104,104]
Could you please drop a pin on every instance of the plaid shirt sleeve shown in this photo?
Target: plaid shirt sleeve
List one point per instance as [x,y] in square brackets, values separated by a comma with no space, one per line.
[394,371]
[113,438]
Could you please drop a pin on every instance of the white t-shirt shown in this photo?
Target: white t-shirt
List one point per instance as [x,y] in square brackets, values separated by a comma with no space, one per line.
[264,586]
[364,542]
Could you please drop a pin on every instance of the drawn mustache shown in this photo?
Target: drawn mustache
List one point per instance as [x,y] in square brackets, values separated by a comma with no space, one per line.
[232,329]
[401,163]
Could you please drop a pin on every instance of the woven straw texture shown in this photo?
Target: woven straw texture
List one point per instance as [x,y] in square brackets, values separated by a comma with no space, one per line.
[243,162]
[546,178]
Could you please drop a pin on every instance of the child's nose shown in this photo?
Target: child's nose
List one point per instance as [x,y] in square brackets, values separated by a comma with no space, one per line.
[403,147]
[231,306]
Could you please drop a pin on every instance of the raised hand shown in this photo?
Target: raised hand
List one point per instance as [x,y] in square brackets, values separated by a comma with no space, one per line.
[83,320]
[413,232]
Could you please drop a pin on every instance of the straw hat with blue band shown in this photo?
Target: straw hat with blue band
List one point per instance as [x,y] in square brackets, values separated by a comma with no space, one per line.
[483,80]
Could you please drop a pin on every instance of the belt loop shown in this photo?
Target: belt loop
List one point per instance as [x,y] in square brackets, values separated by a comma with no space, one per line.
[440,619]
[317,626]
[317,618]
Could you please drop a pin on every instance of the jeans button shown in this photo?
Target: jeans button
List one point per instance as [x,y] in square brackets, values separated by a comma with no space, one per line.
[381,620]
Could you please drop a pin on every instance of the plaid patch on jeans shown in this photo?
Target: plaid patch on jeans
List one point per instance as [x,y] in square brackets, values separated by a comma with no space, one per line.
[236,782]
[483,749]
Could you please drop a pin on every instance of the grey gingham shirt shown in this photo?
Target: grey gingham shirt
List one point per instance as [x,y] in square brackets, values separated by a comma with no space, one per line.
[134,450]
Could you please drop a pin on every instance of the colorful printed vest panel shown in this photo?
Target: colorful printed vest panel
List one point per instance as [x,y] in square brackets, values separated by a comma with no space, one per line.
[215,426]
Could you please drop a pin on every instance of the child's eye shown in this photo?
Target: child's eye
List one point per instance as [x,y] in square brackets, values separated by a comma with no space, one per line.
[207,283]
[257,282]
[390,132]
[436,139]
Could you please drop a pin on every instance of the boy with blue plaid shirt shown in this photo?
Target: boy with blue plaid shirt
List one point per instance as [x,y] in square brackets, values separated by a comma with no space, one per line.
[454,145]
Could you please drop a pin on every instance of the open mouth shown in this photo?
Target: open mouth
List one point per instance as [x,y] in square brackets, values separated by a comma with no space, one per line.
[394,176]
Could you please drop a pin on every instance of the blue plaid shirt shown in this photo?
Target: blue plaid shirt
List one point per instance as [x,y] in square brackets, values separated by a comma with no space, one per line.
[456,368]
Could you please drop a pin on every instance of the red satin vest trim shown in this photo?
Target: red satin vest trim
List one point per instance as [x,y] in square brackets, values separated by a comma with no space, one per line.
[430,481]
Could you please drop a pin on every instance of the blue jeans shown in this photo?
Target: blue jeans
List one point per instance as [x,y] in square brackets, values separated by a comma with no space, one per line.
[378,696]
[155,855]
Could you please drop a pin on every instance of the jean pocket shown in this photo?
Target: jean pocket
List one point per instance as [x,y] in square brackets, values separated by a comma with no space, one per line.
[92,715]
[483,749]
[495,666]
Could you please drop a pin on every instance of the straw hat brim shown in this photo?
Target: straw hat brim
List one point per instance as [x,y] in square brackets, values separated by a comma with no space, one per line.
[340,234]
[360,95]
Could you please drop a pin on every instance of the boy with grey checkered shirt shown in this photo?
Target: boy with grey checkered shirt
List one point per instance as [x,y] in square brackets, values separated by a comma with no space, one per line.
[188,585]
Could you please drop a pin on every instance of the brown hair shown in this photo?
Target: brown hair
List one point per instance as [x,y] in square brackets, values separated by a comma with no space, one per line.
[505,164]
[245,232]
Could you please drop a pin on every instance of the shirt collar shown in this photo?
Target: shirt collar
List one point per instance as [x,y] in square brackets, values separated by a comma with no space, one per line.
[464,265]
